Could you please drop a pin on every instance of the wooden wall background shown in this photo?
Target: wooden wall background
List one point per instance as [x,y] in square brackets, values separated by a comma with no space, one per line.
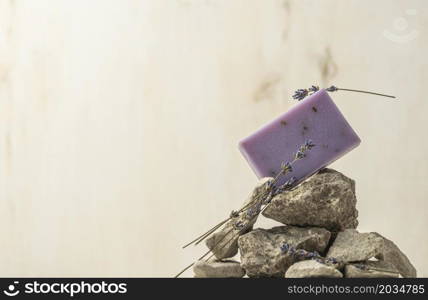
[120,121]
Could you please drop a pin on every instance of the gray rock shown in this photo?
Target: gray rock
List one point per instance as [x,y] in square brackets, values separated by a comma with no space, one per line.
[224,243]
[327,199]
[392,254]
[218,269]
[371,269]
[311,269]
[352,246]
[260,251]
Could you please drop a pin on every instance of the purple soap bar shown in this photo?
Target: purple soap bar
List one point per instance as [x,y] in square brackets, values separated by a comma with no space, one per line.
[316,118]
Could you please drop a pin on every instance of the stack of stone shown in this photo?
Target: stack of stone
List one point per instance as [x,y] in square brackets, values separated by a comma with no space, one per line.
[318,238]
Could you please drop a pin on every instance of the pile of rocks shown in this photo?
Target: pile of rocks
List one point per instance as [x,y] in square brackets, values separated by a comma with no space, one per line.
[318,239]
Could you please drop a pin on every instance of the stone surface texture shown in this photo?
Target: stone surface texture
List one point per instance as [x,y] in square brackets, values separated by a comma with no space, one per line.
[352,246]
[218,269]
[371,269]
[327,199]
[311,269]
[260,251]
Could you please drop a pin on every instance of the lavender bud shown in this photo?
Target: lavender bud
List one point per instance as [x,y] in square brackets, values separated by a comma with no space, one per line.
[234,214]
[300,94]
[313,89]
[309,144]
[300,154]
[332,89]
[239,225]
[286,167]
[285,247]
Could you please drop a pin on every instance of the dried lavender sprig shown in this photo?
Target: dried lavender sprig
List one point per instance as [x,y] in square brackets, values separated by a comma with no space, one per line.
[189,266]
[233,214]
[199,238]
[206,253]
[286,167]
[308,145]
[203,236]
[286,186]
[300,253]
[217,244]
[239,232]
[301,94]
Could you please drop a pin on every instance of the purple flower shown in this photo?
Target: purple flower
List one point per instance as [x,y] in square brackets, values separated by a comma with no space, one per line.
[285,247]
[309,144]
[313,89]
[239,225]
[286,167]
[250,212]
[234,214]
[332,260]
[332,89]
[288,184]
[300,154]
[301,253]
[300,94]
[361,266]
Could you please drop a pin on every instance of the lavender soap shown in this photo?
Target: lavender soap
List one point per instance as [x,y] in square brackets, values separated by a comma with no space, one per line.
[316,118]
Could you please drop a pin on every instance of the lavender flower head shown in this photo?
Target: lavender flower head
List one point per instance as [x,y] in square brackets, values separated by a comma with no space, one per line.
[286,167]
[234,214]
[308,145]
[239,225]
[332,89]
[284,248]
[313,89]
[287,185]
[301,94]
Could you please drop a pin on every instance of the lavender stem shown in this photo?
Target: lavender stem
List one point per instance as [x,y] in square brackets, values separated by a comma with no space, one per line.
[366,92]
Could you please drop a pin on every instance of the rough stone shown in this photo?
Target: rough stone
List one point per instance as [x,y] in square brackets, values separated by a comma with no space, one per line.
[311,269]
[371,269]
[352,246]
[327,199]
[224,243]
[218,269]
[260,251]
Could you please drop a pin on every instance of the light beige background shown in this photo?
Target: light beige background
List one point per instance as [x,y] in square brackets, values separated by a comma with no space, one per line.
[120,121]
